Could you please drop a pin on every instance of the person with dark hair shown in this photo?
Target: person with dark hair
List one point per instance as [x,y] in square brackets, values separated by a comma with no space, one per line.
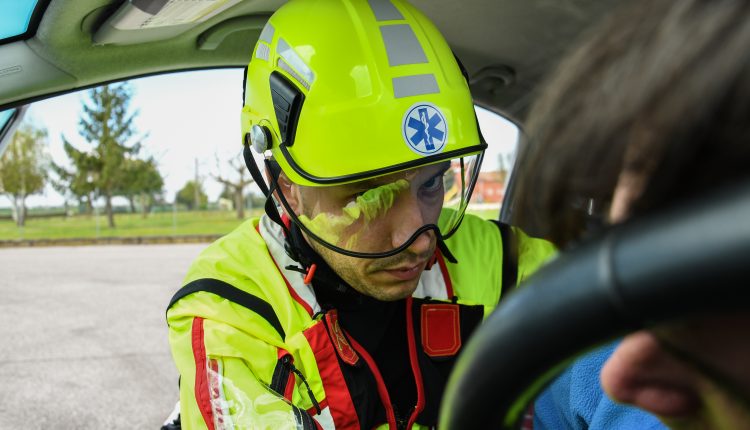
[653,109]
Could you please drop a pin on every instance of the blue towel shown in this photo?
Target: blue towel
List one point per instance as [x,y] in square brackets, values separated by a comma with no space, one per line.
[576,400]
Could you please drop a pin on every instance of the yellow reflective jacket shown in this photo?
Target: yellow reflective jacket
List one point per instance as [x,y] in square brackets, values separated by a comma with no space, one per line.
[255,350]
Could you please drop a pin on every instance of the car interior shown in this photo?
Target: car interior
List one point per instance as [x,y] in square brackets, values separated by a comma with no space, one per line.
[508,48]
[71,45]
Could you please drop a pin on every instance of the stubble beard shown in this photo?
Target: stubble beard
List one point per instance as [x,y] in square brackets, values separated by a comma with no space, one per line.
[347,268]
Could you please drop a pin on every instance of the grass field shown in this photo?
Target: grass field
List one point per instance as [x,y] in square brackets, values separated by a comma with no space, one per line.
[127,225]
[133,225]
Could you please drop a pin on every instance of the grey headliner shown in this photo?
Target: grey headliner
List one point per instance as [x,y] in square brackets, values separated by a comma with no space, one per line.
[507,46]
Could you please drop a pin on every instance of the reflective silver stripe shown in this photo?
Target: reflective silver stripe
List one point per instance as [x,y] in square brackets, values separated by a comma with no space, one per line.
[384,10]
[263,51]
[295,61]
[287,68]
[267,34]
[415,85]
[402,45]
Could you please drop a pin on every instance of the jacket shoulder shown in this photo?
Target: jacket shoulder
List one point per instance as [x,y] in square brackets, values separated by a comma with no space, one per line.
[240,259]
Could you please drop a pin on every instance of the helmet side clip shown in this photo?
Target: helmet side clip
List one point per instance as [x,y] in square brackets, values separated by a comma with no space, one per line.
[260,138]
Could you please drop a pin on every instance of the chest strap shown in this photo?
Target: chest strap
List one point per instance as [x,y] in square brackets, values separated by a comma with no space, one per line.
[510,256]
[234,295]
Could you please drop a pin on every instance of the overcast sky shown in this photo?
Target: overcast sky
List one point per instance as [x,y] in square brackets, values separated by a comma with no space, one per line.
[191,116]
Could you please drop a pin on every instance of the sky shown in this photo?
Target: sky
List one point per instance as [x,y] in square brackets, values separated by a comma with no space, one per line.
[188,116]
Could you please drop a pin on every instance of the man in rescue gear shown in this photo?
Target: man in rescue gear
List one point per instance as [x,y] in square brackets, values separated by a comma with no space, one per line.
[346,304]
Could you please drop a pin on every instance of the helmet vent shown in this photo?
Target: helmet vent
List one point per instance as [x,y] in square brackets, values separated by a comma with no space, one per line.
[287,104]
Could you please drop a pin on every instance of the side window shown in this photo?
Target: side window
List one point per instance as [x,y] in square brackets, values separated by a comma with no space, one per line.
[166,161]
[9,120]
[502,141]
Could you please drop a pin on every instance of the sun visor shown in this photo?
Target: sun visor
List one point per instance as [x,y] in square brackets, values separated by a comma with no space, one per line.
[140,21]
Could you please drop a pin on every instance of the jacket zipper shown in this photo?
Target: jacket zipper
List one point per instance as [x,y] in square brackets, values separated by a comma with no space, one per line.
[400,423]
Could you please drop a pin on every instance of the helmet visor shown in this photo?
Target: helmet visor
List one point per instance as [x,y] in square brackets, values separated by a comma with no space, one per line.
[382,216]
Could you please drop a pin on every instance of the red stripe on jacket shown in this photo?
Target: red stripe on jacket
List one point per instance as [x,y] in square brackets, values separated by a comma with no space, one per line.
[202,393]
[337,393]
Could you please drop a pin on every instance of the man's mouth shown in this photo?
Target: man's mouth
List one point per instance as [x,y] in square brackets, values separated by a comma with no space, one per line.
[406,272]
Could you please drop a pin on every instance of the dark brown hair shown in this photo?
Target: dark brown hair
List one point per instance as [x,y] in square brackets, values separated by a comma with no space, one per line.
[661,90]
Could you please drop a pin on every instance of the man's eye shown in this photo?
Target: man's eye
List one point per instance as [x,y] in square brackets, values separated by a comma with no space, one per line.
[433,184]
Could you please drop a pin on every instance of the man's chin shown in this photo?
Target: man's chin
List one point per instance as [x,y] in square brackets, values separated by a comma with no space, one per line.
[393,291]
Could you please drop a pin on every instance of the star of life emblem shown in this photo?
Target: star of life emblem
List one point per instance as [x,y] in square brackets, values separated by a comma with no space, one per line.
[425,129]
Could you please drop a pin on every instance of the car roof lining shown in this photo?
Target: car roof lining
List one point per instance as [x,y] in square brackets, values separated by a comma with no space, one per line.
[526,38]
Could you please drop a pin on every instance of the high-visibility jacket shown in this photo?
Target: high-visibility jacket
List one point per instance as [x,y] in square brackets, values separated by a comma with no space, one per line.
[255,350]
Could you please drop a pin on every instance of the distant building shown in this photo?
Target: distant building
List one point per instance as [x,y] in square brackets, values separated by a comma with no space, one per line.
[490,186]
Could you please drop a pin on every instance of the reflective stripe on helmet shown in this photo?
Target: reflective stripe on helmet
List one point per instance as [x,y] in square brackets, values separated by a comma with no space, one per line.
[267,34]
[263,51]
[415,85]
[303,72]
[401,45]
[384,10]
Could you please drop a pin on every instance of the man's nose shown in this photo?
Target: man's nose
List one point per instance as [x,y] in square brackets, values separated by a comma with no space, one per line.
[406,219]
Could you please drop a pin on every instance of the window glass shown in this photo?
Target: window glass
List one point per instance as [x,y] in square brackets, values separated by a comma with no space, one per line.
[185,131]
[187,124]
[15,16]
[5,117]
[502,140]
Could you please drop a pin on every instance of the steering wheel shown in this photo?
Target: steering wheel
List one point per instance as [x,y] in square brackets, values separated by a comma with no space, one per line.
[688,259]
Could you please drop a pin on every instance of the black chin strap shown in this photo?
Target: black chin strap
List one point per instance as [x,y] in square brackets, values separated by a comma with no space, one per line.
[270,206]
[445,251]
[252,167]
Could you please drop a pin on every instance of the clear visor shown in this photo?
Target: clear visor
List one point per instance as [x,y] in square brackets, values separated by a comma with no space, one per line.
[382,216]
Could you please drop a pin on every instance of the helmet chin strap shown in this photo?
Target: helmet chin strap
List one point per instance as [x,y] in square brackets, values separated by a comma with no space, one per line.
[445,251]
[270,206]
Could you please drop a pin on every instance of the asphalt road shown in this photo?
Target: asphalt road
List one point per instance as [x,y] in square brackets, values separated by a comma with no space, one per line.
[83,338]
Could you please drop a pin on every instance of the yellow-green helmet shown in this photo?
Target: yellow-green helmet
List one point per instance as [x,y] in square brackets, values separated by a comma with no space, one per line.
[347,76]
[339,91]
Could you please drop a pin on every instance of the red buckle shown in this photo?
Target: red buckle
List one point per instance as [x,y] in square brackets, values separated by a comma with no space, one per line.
[310,273]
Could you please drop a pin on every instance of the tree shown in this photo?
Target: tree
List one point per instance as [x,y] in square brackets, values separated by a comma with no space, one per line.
[107,124]
[23,168]
[186,195]
[78,182]
[235,187]
[142,182]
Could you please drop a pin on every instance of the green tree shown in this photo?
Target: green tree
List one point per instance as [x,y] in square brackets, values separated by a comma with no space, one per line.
[186,195]
[23,168]
[142,183]
[107,124]
[77,182]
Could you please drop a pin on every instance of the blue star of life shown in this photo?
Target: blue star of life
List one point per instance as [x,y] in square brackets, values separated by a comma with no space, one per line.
[425,129]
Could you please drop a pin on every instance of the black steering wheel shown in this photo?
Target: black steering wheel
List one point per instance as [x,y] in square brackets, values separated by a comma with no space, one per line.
[685,260]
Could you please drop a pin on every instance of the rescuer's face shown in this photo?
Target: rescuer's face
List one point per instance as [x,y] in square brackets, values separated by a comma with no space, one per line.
[382,215]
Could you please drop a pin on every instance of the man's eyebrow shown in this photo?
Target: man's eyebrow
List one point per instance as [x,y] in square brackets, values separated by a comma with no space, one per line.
[367,184]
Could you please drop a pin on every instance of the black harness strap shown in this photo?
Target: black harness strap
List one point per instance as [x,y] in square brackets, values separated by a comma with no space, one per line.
[510,256]
[234,295]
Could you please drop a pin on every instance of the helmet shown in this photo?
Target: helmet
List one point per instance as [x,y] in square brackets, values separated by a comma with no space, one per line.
[364,97]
